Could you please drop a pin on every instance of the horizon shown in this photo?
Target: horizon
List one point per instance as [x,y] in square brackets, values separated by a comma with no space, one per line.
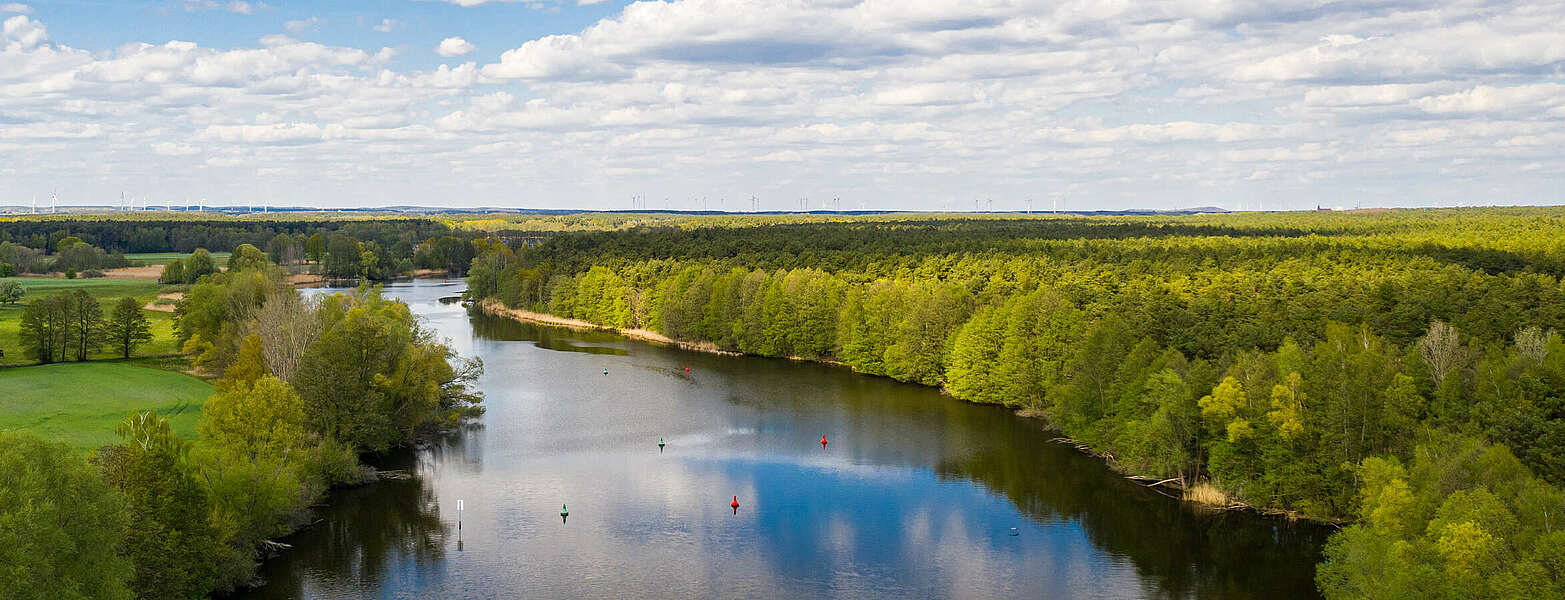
[740,106]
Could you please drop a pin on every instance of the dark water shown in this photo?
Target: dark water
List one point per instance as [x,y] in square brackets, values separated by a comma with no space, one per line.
[915,496]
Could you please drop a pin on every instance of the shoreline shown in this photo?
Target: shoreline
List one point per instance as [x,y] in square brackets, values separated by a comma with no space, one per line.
[1201,494]
[495,307]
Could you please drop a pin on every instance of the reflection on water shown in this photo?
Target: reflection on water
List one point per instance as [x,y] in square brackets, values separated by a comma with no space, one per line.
[552,338]
[368,536]
[915,496]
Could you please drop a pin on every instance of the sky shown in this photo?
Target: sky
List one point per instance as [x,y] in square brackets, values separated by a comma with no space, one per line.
[783,104]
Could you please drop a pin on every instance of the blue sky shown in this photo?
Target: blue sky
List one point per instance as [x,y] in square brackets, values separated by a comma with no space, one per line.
[416,28]
[894,104]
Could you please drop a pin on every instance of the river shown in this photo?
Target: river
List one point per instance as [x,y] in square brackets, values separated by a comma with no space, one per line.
[916,495]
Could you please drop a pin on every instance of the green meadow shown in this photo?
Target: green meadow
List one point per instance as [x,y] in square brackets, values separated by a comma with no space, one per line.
[163,258]
[81,403]
[107,290]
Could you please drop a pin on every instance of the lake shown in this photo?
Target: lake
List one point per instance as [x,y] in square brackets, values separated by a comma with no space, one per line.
[916,494]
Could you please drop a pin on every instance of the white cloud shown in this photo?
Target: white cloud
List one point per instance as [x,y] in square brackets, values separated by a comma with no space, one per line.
[1499,100]
[16,7]
[529,3]
[22,33]
[387,25]
[301,25]
[454,46]
[50,131]
[553,57]
[238,7]
[889,102]
[275,133]
[174,149]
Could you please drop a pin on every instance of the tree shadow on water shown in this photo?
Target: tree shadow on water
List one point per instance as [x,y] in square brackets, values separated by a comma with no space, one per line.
[363,537]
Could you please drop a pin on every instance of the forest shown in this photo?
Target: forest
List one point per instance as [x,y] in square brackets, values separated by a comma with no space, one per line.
[131,234]
[353,248]
[304,386]
[1399,373]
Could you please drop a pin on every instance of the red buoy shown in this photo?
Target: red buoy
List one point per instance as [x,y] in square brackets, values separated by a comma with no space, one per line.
[735,505]
[687,369]
[823,440]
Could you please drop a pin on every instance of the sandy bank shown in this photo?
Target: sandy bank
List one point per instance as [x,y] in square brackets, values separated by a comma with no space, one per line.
[495,307]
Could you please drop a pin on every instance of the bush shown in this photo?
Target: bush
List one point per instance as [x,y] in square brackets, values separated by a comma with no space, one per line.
[11,292]
[93,274]
[7,270]
[70,273]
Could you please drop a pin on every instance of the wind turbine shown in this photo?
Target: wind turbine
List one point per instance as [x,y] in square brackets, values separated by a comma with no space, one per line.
[54,199]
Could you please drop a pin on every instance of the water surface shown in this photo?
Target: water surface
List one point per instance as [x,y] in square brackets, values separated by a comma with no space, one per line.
[915,496]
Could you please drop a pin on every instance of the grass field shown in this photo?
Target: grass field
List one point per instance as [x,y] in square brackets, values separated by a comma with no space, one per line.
[81,403]
[108,291]
[163,258]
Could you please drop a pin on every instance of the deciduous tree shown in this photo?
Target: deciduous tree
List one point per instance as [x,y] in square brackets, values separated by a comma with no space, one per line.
[61,526]
[128,327]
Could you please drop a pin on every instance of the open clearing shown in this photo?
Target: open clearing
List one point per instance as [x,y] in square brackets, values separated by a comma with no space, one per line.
[163,258]
[81,403]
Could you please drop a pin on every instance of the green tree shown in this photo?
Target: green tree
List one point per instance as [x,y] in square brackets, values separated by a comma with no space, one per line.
[86,326]
[971,369]
[246,256]
[369,264]
[128,327]
[216,311]
[283,249]
[343,258]
[173,272]
[60,526]
[375,377]
[198,265]
[315,247]
[45,330]
[260,463]
[7,269]
[1224,408]
[11,292]
[169,537]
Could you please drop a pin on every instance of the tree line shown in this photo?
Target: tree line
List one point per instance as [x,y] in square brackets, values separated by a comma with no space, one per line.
[70,255]
[71,325]
[1287,362]
[304,386]
[117,234]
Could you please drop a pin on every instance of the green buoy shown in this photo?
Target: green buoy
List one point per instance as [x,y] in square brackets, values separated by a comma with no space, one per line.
[605,371]
[564,513]
[660,444]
